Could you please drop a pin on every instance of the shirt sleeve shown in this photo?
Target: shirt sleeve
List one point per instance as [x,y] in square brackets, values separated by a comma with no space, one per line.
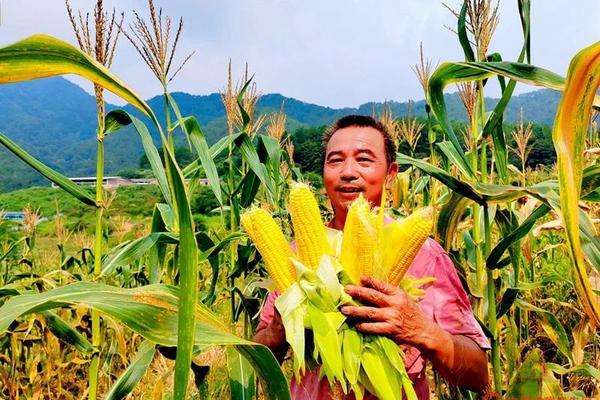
[451,307]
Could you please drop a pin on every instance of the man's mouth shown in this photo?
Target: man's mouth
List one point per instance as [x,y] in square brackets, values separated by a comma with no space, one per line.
[349,189]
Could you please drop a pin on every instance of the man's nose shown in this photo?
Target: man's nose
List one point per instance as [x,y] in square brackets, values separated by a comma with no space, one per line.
[348,171]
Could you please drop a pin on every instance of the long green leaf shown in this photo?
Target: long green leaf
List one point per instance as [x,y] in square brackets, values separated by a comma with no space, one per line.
[515,235]
[483,193]
[151,311]
[569,132]
[118,119]
[249,154]
[198,140]
[134,372]
[188,275]
[135,249]
[59,179]
[463,38]
[242,381]
[457,72]
[449,217]
[42,56]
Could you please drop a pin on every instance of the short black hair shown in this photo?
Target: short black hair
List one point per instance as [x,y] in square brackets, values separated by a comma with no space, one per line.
[362,121]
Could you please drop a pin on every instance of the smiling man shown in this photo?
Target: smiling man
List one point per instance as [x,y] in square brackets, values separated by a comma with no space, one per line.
[359,157]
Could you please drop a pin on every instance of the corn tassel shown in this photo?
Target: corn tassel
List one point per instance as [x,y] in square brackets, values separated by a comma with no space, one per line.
[360,254]
[272,245]
[311,240]
[402,240]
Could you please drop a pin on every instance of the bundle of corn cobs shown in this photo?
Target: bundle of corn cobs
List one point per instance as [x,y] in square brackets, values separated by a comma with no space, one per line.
[311,282]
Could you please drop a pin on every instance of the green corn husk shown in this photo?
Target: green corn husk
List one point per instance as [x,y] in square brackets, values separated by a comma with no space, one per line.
[355,361]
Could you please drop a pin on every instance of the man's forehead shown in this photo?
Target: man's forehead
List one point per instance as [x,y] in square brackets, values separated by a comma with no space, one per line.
[356,139]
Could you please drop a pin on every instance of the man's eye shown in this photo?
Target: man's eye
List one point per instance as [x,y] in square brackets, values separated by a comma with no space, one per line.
[335,160]
[364,159]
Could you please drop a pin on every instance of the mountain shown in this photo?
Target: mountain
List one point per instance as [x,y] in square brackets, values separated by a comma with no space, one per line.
[55,120]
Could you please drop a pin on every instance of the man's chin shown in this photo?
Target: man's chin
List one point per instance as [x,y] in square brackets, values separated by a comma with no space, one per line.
[346,199]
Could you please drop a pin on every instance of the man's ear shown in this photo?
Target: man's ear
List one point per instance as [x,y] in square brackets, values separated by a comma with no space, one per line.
[391,174]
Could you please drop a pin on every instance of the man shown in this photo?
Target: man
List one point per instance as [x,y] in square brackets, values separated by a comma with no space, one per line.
[359,157]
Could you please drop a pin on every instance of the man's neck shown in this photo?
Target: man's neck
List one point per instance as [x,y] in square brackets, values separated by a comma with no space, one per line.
[338,221]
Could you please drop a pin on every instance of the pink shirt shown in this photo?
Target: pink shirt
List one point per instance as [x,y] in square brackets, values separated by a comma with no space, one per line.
[445,302]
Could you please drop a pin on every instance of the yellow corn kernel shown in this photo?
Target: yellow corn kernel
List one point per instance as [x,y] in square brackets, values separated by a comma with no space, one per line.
[360,254]
[309,230]
[272,245]
[401,240]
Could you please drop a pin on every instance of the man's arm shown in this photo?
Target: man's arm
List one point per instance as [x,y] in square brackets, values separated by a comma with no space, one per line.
[273,336]
[392,313]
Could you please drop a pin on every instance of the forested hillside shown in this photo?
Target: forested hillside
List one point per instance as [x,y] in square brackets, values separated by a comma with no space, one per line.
[55,120]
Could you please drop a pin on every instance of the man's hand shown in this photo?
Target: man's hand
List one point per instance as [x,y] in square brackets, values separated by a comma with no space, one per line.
[273,336]
[391,313]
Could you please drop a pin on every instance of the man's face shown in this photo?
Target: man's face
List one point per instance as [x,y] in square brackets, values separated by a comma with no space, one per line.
[355,163]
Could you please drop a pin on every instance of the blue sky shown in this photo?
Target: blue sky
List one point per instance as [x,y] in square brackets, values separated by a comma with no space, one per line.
[330,52]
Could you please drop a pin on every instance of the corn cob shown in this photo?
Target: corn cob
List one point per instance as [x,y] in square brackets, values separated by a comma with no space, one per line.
[311,240]
[275,250]
[360,254]
[402,240]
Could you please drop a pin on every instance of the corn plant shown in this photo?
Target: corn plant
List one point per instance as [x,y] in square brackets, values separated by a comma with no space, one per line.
[496,200]
[41,56]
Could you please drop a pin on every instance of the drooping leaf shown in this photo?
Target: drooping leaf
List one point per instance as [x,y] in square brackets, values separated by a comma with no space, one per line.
[552,326]
[568,134]
[42,56]
[151,311]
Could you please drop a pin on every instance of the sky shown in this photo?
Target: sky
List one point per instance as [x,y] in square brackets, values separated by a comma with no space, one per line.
[336,53]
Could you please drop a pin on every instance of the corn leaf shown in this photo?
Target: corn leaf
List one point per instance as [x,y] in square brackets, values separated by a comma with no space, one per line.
[188,275]
[118,119]
[569,132]
[484,193]
[42,56]
[214,151]
[327,342]
[152,312]
[450,215]
[242,381]
[195,135]
[463,38]
[515,235]
[582,369]
[457,72]
[244,143]
[134,372]
[377,369]
[552,326]
[66,333]
[135,249]
[59,179]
